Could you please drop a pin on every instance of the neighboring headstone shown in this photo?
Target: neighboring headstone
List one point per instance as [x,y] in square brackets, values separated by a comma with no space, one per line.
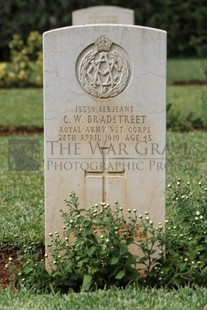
[103,15]
[104,110]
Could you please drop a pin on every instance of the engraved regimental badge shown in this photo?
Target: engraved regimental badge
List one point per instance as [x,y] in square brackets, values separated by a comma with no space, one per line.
[102,69]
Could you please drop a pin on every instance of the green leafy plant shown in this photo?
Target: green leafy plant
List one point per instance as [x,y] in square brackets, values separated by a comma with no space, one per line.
[94,253]
[25,68]
[184,261]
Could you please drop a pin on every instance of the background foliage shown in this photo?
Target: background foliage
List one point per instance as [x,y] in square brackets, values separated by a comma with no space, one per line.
[184,21]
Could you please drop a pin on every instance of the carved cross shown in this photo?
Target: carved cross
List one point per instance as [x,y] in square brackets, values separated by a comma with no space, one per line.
[105,173]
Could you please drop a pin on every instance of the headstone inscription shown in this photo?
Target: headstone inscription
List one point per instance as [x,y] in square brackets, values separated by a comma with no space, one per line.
[103,15]
[104,117]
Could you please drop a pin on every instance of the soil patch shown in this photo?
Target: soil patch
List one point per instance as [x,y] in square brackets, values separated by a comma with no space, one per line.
[5,275]
[189,83]
[9,131]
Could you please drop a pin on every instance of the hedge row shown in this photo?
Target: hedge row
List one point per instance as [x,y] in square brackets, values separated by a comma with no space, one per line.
[185,21]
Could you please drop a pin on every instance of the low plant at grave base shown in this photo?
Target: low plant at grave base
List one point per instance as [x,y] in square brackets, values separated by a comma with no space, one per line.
[94,253]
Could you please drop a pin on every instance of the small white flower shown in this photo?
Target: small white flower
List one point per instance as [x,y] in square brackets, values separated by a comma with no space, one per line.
[129,210]
[197,212]
[134,210]
[140,216]
[201,217]
[146,212]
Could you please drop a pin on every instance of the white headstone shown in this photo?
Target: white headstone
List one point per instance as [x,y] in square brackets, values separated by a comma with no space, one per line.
[104,110]
[103,15]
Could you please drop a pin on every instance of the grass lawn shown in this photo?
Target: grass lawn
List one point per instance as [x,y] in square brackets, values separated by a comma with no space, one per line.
[186,100]
[179,70]
[23,108]
[21,199]
[129,299]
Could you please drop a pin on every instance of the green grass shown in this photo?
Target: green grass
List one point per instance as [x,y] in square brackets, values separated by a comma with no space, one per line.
[187,99]
[129,299]
[24,107]
[179,70]
[21,107]
[187,107]
[21,199]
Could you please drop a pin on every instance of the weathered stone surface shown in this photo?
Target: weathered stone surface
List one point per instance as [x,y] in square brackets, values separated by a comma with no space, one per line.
[103,15]
[104,109]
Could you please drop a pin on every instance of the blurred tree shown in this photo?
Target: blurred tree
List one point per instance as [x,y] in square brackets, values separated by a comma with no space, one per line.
[185,21]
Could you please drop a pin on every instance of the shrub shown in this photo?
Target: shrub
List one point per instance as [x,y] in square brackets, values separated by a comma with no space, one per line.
[95,251]
[25,68]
